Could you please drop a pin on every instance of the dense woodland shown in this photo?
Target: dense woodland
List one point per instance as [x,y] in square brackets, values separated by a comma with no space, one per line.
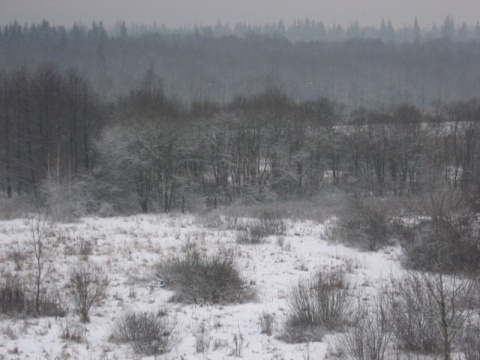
[147,150]
[364,68]
[101,121]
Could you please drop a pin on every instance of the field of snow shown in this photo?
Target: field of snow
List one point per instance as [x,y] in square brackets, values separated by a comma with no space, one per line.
[128,249]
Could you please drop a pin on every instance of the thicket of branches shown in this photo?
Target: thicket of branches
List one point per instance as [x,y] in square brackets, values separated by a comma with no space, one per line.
[69,151]
[197,277]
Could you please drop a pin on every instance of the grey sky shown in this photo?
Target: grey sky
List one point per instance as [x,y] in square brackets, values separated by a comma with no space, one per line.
[207,12]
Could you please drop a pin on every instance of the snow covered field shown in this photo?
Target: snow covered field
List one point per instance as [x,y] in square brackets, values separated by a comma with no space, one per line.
[128,249]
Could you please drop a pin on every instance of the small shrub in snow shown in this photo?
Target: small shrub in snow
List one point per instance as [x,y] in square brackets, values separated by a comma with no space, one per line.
[447,239]
[429,311]
[105,210]
[148,333]
[199,278]
[320,303]
[237,344]
[446,244]
[16,299]
[12,296]
[86,288]
[19,258]
[41,248]
[16,207]
[370,337]
[211,219]
[257,230]
[253,234]
[202,339]
[470,343]
[414,321]
[72,332]
[272,223]
[366,223]
[266,323]
[85,248]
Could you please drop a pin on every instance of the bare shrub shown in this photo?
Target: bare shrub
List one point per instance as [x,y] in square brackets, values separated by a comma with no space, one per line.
[317,304]
[252,234]
[68,200]
[16,299]
[12,296]
[237,344]
[367,223]
[9,332]
[230,222]
[60,201]
[202,339]
[105,210]
[447,240]
[19,258]
[370,337]
[256,231]
[49,304]
[16,207]
[41,249]
[266,323]
[85,248]
[458,247]
[210,219]
[272,223]
[303,209]
[147,332]
[200,278]
[414,321]
[470,343]
[429,311]
[86,288]
[72,332]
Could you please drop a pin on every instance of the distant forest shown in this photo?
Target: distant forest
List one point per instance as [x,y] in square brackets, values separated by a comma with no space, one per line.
[98,122]
[355,66]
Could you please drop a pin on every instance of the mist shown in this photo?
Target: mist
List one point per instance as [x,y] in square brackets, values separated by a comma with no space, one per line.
[178,13]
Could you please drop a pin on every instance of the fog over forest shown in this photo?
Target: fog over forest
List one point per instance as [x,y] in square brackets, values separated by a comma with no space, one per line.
[355,66]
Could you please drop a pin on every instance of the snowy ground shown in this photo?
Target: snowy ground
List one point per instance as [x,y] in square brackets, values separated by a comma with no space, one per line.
[128,248]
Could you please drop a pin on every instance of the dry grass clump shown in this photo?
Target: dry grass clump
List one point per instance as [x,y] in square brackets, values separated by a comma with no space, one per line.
[255,231]
[371,334]
[12,296]
[200,278]
[321,303]
[16,299]
[366,223]
[148,333]
[86,287]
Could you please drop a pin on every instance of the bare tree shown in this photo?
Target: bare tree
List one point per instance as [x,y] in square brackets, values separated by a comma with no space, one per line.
[43,254]
[453,294]
[430,310]
[435,302]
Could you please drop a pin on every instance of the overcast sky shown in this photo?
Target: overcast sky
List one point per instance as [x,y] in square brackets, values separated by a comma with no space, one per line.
[207,12]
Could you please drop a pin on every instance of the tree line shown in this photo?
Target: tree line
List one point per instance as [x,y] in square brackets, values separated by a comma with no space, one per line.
[312,30]
[198,65]
[49,119]
[148,152]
